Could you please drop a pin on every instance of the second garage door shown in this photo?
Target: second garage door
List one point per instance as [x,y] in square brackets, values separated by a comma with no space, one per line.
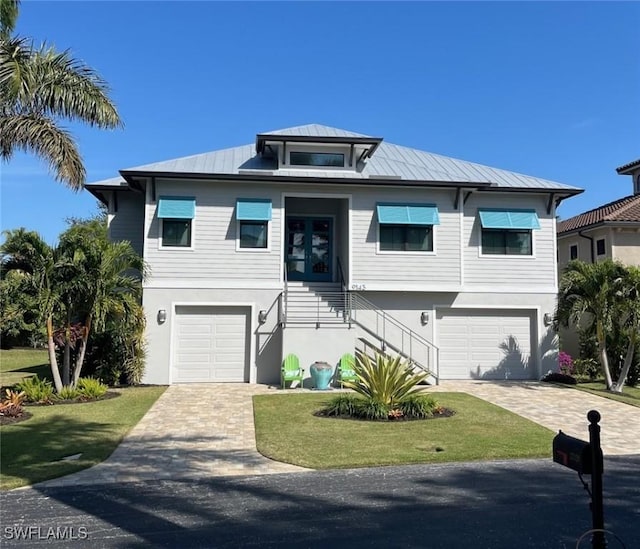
[485,345]
[210,344]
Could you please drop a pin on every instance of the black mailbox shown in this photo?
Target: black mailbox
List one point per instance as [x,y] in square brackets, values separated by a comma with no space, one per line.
[572,452]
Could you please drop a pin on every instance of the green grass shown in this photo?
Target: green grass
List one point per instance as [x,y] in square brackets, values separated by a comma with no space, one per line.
[287,430]
[16,364]
[31,450]
[630,395]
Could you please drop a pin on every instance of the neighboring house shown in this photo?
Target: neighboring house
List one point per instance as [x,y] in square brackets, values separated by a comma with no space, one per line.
[611,231]
[316,240]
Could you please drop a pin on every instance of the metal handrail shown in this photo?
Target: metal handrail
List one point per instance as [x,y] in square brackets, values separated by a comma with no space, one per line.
[357,302]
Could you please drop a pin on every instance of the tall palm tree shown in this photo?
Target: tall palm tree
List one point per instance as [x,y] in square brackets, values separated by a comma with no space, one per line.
[38,88]
[592,293]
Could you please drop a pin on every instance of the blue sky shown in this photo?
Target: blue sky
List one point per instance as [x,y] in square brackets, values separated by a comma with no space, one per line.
[546,89]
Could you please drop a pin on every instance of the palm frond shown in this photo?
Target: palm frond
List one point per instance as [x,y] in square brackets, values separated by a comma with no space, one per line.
[60,86]
[38,134]
[8,16]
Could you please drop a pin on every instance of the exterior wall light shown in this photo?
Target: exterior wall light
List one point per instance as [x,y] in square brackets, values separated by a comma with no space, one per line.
[424,318]
[162,316]
[547,319]
[262,317]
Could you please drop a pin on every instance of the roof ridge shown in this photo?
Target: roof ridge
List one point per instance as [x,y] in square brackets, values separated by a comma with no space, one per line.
[597,208]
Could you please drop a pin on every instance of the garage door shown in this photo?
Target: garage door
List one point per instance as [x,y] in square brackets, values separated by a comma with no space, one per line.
[210,344]
[485,344]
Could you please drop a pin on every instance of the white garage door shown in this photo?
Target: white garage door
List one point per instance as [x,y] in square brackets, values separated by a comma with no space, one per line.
[210,344]
[485,344]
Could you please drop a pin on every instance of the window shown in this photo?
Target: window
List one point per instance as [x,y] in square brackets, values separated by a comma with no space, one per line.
[176,214]
[507,232]
[600,247]
[322,159]
[254,234]
[407,227]
[176,233]
[406,238]
[506,242]
[253,216]
[573,252]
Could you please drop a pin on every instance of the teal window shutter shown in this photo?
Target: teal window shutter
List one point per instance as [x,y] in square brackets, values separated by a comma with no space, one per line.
[253,209]
[408,214]
[176,207]
[492,218]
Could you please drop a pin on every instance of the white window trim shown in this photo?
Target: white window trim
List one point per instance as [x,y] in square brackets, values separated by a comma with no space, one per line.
[577,246]
[508,256]
[284,163]
[252,250]
[406,252]
[595,246]
[177,248]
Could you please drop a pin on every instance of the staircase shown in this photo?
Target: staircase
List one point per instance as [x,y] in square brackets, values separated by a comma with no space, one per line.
[320,304]
[314,303]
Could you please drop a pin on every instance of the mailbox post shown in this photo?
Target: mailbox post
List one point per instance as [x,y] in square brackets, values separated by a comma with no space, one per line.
[587,459]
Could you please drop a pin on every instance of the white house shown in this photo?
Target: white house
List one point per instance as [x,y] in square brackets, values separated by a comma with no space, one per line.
[316,240]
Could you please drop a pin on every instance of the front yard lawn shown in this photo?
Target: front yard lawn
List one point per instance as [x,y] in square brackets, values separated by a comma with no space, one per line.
[287,430]
[630,395]
[30,450]
[16,364]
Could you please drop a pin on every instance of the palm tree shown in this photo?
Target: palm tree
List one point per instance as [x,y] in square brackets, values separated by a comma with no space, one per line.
[629,319]
[106,282]
[38,87]
[25,251]
[85,279]
[592,293]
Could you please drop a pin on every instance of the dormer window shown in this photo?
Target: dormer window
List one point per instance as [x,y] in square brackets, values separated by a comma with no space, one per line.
[322,159]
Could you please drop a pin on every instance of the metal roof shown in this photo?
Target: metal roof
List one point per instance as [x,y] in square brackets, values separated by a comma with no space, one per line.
[394,163]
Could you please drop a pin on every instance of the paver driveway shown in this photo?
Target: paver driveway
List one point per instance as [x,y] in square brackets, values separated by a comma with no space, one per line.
[200,431]
[558,407]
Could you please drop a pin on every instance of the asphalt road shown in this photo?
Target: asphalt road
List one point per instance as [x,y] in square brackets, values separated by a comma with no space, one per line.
[515,504]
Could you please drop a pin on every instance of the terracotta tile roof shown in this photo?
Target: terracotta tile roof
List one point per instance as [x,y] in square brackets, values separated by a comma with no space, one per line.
[623,169]
[625,209]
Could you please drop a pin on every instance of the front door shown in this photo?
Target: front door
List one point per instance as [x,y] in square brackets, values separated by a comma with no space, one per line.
[309,248]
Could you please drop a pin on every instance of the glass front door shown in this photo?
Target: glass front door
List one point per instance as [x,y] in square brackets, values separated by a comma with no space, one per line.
[309,248]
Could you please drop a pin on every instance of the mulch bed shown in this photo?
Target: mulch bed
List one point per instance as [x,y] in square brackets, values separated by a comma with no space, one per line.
[440,412]
[6,420]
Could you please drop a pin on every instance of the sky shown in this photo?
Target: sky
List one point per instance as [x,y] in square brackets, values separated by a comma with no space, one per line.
[547,89]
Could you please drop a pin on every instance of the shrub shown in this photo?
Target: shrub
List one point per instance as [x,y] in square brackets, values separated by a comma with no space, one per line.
[558,377]
[586,368]
[566,363]
[68,393]
[89,387]
[418,406]
[372,409]
[386,381]
[343,405]
[11,406]
[36,390]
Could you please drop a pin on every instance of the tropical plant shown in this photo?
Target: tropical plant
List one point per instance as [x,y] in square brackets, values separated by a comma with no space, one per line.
[68,393]
[36,390]
[85,279]
[40,86]
[90,388]
[386,381]
[418,406]
[11,405]
[346,404]
[603,298]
